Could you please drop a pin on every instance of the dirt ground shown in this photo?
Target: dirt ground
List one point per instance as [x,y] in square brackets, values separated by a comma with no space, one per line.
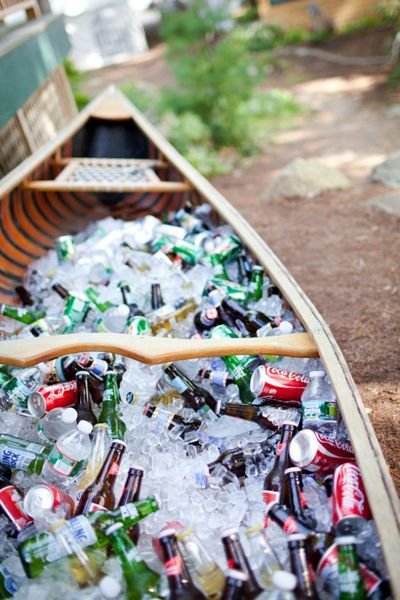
[343,253]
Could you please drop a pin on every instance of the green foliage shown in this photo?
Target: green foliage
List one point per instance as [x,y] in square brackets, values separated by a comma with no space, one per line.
[75,78]
[250,15]
[394,76]
[389,12]
[144,98]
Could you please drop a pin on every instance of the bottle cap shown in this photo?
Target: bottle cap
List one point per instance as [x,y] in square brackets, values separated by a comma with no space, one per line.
[283,580]
[69,415]
[85,427]
[118,443]
[292,470]
[317,373]
[345,539]
[235,574]
[113,528]
[133,468]
[231,531]
[82,374]
[296,537]
[110,587]
[285,327]
[166,532]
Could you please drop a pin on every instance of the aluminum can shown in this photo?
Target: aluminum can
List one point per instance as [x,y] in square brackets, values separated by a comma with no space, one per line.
[320,453]
[65,248]
[349,500]
[276,384]
[11,505]
[48,397]
[44,497]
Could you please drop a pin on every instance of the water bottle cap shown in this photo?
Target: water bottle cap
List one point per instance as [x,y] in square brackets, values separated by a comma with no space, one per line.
[85,427]
[285,327]
[69,415]
[110,587]
[284,580]
[317,373]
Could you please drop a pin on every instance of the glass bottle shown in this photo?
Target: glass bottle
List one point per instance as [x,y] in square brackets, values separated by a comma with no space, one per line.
[196,397]
[127,299]
[351,586]
[249,413]
[263,558]
[83,403]
[97,456]
[275,483]
[110,410]
[234,582]
[301,567]
[237,559]
[21,314]
[131,493]
[18,453]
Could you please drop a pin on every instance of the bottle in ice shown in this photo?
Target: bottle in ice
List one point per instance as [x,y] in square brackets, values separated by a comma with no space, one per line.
[110,413]
[263,558]
[140,580]
[100,494]
[300,565]
[18,453]
[21,314]
[234,582]
[8,586]
[237,559]
[275,483]
[196,397]
[131,493]
[205,573]
[318,405]
[16,391]
[351,586]
[179,587]
[249,412]
[55,423]
[83,403]
[68,456]
[129,301]
[98,452]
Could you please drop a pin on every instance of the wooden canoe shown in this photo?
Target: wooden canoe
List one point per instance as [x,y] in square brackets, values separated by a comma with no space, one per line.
[46,197]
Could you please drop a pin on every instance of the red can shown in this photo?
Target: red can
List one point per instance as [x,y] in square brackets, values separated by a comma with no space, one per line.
[349,500]
[276,384]
[44,497]
[316,452]
[48,397]
[11,505]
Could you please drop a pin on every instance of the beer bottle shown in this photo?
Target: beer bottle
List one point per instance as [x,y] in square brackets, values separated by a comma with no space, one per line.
[167,419]
[289,523]
[66,368]
[139,578]
[263,555]
[205,319]
[256,283]
[351,586]
[24,295]
[160,315]
[206,574]
[219,378]
[237,559]
[218,267]
[244,269]
[301,567]
[297,502]
[93,365]
[96,457]
[196,397]
[180,588]
[95,298]
[275,483]
[83,404]
[234,582]
[21,314]
[110,409]
[134,310]
[131,493]
[100,494]
[240,374]
[249,413]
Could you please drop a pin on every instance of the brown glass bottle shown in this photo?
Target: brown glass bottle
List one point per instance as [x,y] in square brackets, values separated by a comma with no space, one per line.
[169,419]
[156,298]
[234,581]
[275,483]
[131,493]
[180,588]
[297,501]
[301,567]
[249,413]
[66,369]
[134,310]
[205,319]
[237,559]
[286,520]
[24,295]
[100,494]
[60,290]
[195,397]
[83,404]
[252,320]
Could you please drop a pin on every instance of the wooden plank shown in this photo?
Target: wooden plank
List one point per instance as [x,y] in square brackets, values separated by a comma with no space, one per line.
[166,187]
[129,162]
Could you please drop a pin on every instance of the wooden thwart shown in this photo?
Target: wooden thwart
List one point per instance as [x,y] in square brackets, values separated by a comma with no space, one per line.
[149,350]
[162,187]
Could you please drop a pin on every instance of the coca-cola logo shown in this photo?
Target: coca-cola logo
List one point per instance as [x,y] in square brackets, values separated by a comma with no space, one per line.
[335,443]
[290,375]
[349,492]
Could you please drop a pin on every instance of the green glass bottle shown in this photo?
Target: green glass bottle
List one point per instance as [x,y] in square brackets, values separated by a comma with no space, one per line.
[351,586]
[21,314]
[110,409]
[94,297]
[140,579]
[256,283]
[76,307]
[37,551]
[218,267]
[234,364]
[21,454]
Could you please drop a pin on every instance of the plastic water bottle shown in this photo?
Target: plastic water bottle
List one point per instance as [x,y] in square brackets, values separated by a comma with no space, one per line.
[68,456]
[319,405]
[55,423]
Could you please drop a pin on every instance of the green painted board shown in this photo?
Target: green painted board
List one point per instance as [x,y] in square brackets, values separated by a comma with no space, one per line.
[33,53]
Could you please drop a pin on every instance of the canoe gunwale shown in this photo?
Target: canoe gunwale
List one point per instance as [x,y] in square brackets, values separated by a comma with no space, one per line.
[377,480]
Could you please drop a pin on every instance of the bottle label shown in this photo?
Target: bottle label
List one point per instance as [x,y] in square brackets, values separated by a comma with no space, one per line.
[17,392]
[349,581]
[290,526]
[93,507]
[7,581]
[270,496]
[113,470]
[280,448]
[173,566]
[43,436]
[178,384]
[218,378]
[16,458]
[128,511]
[162,418]
[63,464]
[11,505]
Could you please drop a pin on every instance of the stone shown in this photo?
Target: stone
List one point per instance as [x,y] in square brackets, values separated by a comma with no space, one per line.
[388,203]
[388,172]
[305,177]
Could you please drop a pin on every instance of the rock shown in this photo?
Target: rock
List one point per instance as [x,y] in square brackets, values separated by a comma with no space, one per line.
[303,177]
[388,203]
[388,172]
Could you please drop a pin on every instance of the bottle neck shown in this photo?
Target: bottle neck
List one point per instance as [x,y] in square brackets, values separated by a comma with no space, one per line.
[173,563]
[60,290]
[132,487]
[156,296]
[111,389]
[83,391]
[237,559]
[109,471]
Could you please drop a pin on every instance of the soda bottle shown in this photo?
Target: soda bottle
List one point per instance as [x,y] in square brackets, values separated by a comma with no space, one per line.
[100,494]
[275,483]
[351,586]
[68,456]
[237,559]
[21,314]
[16,392]
[301,567]
[131,493]
[206,574]
[110,409]
[18,453]
[88,530]
[263,557]
[196,397]
[83,405]
[55,423]
[234,582]
[97,456]
[139,578]
[179,587]
[318,405]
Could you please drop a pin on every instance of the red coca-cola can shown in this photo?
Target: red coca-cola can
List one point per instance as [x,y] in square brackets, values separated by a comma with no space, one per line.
[48,397]
[44,497]
[349,500]
[12,505]
[279,385]
[316,452]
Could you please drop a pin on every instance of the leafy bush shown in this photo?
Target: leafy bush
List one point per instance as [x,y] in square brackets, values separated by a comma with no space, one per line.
[75,78]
